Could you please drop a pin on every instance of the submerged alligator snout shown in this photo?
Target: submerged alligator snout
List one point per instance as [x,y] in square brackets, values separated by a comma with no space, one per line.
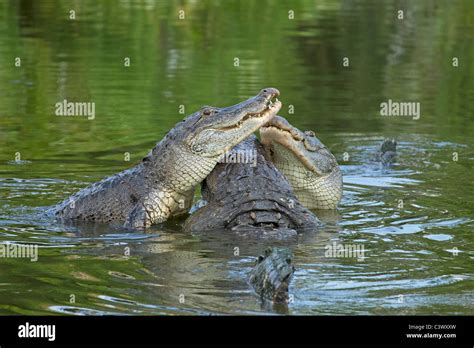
[272,275]
[388,152]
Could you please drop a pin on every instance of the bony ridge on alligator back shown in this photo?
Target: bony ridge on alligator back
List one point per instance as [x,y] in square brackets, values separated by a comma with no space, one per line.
[163,183]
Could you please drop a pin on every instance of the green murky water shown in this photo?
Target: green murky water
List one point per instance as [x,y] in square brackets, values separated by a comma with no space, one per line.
[414,220]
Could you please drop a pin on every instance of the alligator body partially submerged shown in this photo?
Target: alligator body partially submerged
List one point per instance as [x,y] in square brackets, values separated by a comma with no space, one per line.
[162,185]
[272,274]
[251,197]
[309,166]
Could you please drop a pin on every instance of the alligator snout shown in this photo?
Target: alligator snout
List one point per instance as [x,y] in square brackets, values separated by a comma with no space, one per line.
[269,92]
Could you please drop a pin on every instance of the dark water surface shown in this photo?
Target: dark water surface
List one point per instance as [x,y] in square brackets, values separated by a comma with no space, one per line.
[414,220]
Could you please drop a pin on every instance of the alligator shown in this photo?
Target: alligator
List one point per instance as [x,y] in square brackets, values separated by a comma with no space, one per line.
[272,275]
[163,183]
[309,166]
[252,197]
[388,152]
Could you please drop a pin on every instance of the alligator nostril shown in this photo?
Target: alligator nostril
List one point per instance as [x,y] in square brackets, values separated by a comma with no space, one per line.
[270,91]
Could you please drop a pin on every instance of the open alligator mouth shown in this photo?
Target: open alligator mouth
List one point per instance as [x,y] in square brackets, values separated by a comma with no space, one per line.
[272,106]
[282,133]
[279,124]
[285,132]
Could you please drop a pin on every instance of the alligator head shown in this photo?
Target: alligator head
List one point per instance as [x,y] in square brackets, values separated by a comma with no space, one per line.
[309,166]
[216,130]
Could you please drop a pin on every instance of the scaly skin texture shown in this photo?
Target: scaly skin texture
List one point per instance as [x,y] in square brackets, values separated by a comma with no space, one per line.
[162,185]
[309,166]
[272,275]
[251,198]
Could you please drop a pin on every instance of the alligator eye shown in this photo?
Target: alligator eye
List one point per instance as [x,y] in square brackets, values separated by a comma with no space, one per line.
[310,134]
[309,146]
[207,110]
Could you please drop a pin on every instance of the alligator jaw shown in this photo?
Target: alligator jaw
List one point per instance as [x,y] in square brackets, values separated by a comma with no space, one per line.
[289,137]
[272,106]
[220,129]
